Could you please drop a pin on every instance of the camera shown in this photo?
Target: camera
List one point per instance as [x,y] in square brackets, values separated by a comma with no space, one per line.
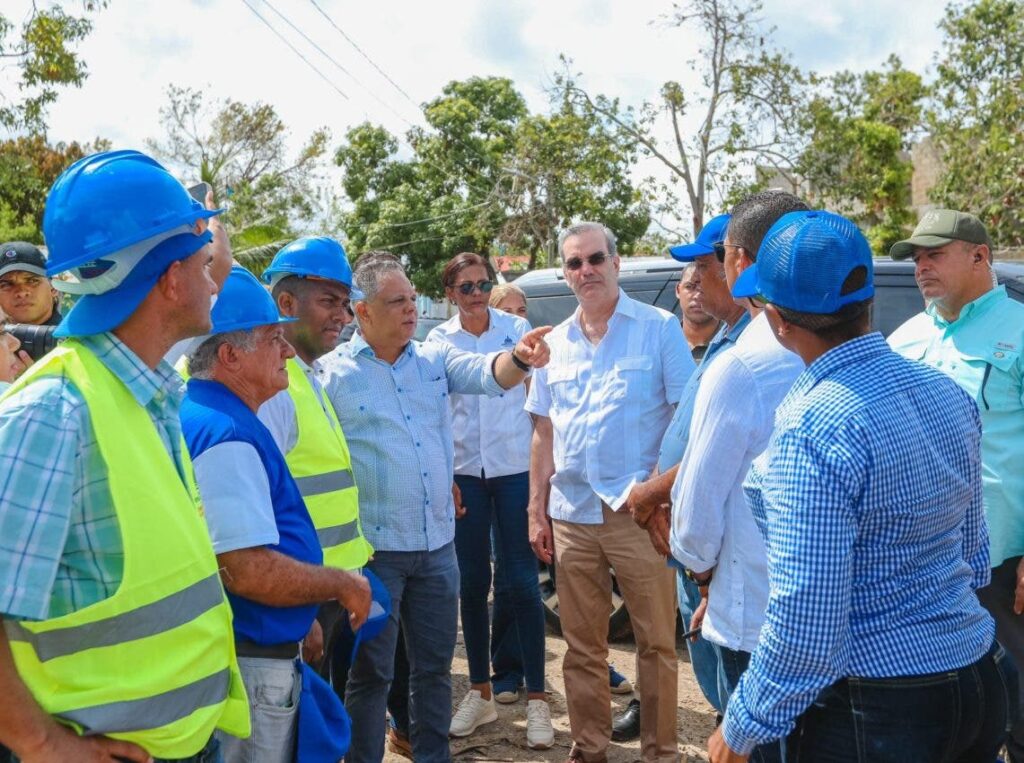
[35,340]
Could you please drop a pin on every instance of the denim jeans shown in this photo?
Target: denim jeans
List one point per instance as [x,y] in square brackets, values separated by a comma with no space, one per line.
[506,652]
[273,687]
[703,657]
[398,694]
[501,500]
[961,716]
[731,664]
[424,588]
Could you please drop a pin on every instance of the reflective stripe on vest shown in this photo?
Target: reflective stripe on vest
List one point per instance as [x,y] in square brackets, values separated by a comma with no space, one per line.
[322,467]
[316,484]
[148,620]
[154,663]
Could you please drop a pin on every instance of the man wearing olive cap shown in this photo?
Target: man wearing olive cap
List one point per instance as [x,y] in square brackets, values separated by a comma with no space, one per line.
[972,331]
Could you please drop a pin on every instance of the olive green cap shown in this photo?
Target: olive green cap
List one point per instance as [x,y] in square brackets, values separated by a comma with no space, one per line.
[938,228]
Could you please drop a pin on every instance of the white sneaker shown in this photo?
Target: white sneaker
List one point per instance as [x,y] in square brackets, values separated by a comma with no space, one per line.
[539,734]
[474,711]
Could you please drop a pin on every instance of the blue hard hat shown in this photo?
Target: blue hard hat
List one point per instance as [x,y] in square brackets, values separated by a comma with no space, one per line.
[109,201]
[712,233]
[312,257]
[244,303]
[804,261]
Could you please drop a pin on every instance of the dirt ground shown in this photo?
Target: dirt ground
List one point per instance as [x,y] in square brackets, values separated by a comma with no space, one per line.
[505,740]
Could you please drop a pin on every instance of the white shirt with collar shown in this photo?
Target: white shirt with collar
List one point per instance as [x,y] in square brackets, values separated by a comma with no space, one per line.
[712,526]
[492,434]
[278,413]
[609,405]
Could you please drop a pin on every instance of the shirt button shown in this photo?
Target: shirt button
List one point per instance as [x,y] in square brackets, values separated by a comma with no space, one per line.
[428,502]
[399,389]
[417,445]
[424,474]
[407,417]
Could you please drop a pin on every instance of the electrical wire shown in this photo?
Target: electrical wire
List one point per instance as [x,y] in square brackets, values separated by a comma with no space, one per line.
[297,52]
[334,61]
[363,54]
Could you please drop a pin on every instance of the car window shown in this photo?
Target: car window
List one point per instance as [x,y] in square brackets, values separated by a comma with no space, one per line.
[893,306]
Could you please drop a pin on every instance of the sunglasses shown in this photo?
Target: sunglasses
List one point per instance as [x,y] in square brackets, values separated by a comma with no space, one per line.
[469,287]
[575,263]
[720,248]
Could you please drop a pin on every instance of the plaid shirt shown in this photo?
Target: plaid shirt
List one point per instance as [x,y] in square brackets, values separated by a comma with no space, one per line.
[869,500]
[60,544]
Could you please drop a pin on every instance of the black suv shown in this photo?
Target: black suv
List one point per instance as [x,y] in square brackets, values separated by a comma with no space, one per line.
[653,280]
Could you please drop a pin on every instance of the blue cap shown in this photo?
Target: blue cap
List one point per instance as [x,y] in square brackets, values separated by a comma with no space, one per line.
[244,303]
[96,313]
[712,233]
[803,262]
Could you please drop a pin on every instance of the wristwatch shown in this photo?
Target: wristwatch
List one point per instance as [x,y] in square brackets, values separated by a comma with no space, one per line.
[700,578]
[519,364]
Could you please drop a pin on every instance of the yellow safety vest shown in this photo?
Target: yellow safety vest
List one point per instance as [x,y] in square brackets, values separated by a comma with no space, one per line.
[322,467]
[155,663]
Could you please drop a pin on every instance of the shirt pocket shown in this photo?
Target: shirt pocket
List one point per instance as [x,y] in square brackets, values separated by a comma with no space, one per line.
[632,377]
[429,402]
[999,388]
[563,384]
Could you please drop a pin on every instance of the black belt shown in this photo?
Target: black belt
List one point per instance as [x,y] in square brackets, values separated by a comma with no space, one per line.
[287,651]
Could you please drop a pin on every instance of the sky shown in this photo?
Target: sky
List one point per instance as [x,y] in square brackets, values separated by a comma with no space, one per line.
[621,47]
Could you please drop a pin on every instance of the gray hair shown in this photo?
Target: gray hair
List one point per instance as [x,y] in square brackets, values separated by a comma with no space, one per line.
[587,227]
[373,266]
[204,357]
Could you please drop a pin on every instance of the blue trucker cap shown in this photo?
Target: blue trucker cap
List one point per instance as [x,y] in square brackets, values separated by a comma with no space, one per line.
[711,234]
[803,262]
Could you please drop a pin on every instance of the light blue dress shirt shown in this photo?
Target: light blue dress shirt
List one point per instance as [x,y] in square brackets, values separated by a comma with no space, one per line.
[673,443]
[397,422]
[869,500]
[983,350]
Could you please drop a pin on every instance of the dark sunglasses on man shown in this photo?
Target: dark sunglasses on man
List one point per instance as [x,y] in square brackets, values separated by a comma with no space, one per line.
[594,260]
[469,287]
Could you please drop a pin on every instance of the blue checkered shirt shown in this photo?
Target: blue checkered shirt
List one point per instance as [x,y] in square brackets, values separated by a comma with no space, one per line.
[398,425]
[869,500]
[60,544]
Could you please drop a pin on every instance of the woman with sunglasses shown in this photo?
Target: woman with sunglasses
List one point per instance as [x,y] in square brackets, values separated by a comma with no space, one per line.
[492,464]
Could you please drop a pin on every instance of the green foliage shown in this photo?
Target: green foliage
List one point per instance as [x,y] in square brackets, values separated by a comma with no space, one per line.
[239,149]
[43,49]
[28,166]
[859,128]
[977,119]
[485,176]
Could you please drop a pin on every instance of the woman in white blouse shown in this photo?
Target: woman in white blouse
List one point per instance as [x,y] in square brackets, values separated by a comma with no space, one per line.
[492,464]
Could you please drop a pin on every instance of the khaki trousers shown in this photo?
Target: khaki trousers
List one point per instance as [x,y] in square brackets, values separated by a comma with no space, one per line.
[583,556]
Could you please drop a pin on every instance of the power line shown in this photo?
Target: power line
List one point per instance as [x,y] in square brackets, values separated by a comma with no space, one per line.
[453,213]
[334,61]
[296,51]
[363,54]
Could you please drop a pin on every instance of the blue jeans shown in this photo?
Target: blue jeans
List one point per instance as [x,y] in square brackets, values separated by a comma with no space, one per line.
[960,716]
[703,657]
[501,500]
[424,588]
[506,653]
[731,664]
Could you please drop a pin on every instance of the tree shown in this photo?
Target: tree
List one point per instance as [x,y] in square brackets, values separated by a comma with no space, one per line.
[746,110]
[977,120]
[28,166]
[43,49]
[240,150]
[485,175]
[860,128]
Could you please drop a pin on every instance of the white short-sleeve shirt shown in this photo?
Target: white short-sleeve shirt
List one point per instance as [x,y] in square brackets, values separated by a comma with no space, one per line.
[492,434]
[609,405]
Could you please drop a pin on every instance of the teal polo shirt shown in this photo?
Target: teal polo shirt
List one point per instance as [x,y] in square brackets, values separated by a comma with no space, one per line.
[983,350]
